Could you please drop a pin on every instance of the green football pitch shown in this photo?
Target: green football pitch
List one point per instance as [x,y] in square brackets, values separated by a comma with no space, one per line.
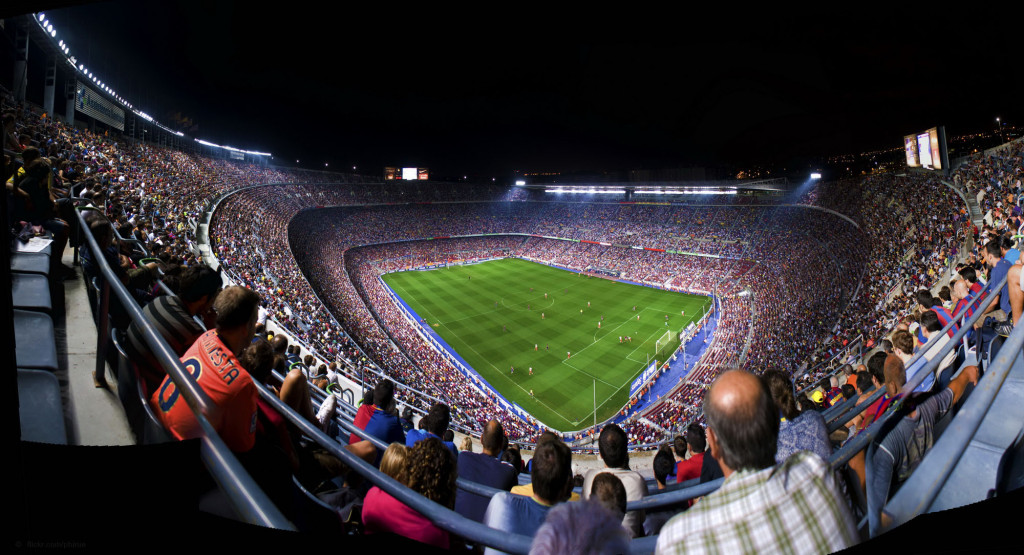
[513,313]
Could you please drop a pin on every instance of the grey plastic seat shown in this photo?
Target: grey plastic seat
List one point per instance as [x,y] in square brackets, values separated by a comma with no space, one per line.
[36,346]
[40,407]
[30,263]
[31,292]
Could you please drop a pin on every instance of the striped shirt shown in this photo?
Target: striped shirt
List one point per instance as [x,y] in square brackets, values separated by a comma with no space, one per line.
[173,322]
[793,507]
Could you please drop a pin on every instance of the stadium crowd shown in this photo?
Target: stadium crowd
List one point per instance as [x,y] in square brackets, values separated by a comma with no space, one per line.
[867,279]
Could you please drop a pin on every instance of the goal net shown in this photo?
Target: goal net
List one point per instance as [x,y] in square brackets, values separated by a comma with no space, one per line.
[669,340]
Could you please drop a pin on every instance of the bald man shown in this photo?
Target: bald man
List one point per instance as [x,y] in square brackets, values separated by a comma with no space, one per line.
[484,468]
[760,507]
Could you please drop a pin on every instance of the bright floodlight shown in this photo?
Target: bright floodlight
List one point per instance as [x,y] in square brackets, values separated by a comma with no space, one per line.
[42,16]
[815,175]
[520,183]
[53,32]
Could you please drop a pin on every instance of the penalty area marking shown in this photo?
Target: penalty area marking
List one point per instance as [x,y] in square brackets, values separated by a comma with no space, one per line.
[509,378]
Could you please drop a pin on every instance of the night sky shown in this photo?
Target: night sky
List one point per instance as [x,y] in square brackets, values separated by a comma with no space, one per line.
[480,91]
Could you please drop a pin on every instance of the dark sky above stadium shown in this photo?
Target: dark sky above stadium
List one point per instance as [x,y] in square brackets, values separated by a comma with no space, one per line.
[488,89]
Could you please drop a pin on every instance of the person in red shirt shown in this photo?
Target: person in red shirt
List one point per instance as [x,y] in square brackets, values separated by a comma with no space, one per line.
[212,362]
[696,442]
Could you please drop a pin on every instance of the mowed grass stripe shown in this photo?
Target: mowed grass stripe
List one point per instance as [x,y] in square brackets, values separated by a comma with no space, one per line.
[459,304]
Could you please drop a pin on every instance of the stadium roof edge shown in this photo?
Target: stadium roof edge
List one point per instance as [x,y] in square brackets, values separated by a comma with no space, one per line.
[774,184]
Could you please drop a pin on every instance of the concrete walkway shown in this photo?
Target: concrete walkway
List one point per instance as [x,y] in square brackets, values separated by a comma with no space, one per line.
[93,415]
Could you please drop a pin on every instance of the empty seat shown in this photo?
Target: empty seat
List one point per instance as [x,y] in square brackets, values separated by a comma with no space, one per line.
[30,263]
[40,407]
[34,340]
[31,292]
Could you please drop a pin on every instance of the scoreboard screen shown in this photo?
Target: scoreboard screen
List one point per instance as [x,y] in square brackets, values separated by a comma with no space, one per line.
[393,173]
[927,149]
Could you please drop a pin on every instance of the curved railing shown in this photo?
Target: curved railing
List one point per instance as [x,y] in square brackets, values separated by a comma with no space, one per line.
[248,500]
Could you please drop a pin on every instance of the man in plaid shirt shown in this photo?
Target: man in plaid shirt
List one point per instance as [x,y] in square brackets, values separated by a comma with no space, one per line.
[794,507]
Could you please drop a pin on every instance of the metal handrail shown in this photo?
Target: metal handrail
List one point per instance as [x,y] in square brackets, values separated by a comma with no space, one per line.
[865,438]
[251,503]
[442,516]
[915,498]
[930,366]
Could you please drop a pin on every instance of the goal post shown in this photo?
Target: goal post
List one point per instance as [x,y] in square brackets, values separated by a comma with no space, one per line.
[664,341]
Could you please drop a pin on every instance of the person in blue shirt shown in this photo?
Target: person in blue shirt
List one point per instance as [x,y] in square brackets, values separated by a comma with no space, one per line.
[552,484]
[1006,247]
[434,424]
[1000,299]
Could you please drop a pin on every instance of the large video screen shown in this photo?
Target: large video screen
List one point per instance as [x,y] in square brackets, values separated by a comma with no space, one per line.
[927,149]
[407,174]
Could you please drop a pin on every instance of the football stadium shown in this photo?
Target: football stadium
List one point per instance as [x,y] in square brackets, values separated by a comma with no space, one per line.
[464,293]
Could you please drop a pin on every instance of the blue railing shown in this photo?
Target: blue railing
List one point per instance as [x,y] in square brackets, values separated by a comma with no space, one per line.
[920,491]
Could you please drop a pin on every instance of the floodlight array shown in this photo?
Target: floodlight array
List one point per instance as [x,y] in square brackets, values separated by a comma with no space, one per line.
[80,69]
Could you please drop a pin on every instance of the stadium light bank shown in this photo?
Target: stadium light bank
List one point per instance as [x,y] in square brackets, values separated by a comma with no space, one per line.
[47,27]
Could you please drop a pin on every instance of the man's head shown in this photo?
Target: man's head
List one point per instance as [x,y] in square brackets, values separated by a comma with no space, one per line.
[551,471]
[864,382]
[743,422]
[993,252]
[383,394]
[697,438]
[679,446]
[876,365]
[608,490]
[279,343]
[845,371]
[960,290]
[1006,243]
[438,419]
[199,285]
[663,465]
[848,391]
[930,322]
[969,274]
[29,154]
[925,299]
[903,343]
[945,294]
[612,447]
[236,307]
[492,438]
[895,375]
